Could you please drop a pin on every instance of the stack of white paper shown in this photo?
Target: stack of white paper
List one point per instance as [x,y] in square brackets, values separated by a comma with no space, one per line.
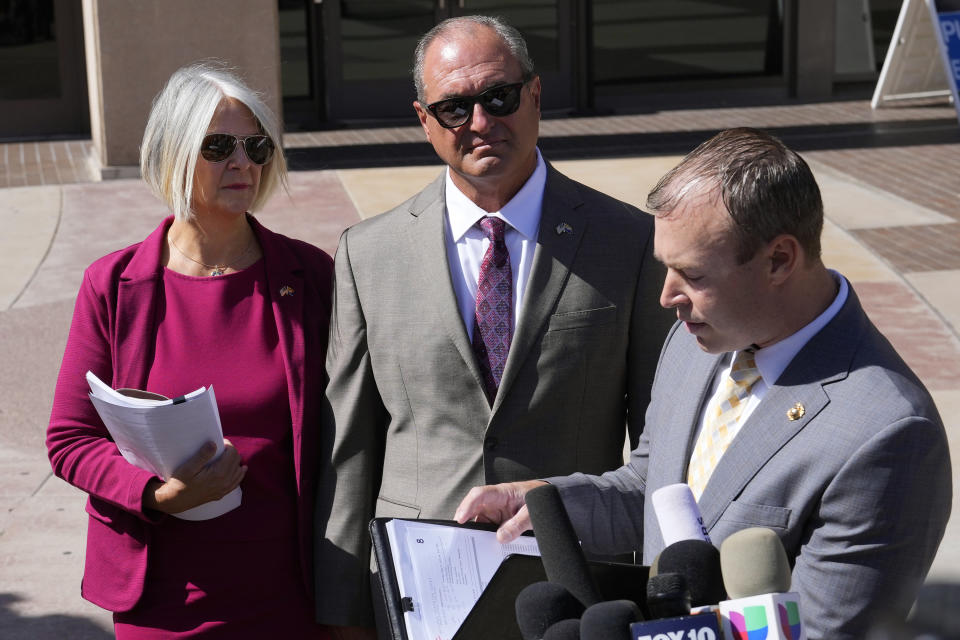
[159,434]
[443,570]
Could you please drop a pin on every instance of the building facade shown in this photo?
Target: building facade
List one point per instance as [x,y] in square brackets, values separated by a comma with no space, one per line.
[90,68]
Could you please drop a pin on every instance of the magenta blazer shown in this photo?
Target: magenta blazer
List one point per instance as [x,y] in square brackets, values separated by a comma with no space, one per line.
[113,334]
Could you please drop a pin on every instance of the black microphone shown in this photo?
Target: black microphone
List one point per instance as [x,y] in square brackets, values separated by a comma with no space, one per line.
[541,605]
[564,630]
[563,559]
[668,599]
[667,596]
[699,562]
[609,620]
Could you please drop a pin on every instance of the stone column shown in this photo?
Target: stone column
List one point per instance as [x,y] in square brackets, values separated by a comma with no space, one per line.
[132,48]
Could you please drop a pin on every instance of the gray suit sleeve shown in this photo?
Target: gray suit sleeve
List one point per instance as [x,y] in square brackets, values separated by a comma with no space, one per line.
[354,423]
[870,544]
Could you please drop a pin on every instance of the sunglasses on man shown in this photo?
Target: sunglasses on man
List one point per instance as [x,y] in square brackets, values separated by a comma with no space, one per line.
[217,147]
[498,101]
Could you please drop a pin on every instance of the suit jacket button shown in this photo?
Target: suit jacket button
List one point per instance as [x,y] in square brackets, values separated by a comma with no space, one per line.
[490,443]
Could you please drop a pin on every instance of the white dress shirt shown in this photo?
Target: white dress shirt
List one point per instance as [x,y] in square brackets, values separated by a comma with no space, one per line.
[774,359]
[466,242]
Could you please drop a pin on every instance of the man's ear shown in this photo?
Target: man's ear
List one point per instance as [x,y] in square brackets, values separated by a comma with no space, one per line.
[535,91]
[784,256]
[422,115]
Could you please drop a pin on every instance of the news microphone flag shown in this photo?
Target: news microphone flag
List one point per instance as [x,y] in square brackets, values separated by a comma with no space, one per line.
[701,627]
[770,616]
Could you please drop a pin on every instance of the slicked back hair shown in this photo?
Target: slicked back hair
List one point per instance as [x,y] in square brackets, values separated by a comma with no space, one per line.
[178,122]
[767,189]
[510,36]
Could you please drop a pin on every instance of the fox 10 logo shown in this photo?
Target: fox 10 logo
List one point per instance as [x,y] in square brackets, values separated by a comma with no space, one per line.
[751,623]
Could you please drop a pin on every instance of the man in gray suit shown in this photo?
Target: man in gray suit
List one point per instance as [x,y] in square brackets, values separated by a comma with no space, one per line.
[500,325]
[837,446]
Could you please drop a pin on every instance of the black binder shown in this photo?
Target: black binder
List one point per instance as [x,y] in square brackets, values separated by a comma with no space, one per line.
[494,610]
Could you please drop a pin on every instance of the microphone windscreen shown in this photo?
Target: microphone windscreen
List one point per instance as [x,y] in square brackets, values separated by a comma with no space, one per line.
[563,630]
[753,562]
[563,559]
[699,562]
[667,596]
[678,514]
[609,620]
[542,604]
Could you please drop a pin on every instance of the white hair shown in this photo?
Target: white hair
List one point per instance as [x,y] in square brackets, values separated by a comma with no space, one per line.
[178,121]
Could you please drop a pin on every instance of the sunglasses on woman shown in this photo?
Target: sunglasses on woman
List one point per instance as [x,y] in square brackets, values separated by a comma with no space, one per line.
[498,101]
[217,147]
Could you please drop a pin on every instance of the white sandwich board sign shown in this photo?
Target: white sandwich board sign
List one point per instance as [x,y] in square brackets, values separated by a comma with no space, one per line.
[923,60]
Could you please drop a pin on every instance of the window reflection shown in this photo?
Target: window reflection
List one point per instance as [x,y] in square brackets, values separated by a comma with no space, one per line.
[379,37]
[29,59]
[657,40]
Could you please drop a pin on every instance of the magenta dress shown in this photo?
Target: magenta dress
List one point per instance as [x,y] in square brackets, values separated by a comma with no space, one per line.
[236,576]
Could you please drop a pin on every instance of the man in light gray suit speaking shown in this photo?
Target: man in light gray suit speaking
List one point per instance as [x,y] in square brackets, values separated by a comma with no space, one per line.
[775,398]
[500,325]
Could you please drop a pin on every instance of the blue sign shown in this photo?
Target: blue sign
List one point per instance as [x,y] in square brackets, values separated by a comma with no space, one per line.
[950,29]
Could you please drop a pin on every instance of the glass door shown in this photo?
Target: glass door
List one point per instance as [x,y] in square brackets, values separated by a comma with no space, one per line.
[368,50]
[43,88]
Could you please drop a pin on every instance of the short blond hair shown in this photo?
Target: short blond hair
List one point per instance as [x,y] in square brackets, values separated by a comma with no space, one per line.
[178,121]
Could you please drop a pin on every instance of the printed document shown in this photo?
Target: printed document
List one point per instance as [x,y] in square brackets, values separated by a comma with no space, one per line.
[442,570]
[159,434]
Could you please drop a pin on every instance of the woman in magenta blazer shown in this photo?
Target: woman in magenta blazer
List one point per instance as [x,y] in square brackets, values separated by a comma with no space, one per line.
[211,297]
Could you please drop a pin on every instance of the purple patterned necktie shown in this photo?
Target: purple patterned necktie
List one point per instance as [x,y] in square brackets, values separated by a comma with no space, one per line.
[493,319]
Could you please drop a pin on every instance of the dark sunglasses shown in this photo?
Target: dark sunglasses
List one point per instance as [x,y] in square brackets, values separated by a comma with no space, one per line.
[498,101]
[217,147]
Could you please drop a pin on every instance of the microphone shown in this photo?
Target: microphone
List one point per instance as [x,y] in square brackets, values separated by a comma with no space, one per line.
[669,600]
[678,514]
[756,573]
[699,562]
[563,559]
[563,630]
[609,620]
[541,605]
[667,596]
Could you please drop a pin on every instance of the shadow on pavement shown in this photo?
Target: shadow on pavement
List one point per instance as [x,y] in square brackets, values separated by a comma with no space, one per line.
[14,626]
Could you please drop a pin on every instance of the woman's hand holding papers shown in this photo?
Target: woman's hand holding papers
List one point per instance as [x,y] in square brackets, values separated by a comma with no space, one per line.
[501,504]
[197,481]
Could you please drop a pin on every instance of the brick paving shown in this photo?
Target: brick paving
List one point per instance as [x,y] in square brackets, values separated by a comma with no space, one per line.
[916,248]
[24,164]
[911,151]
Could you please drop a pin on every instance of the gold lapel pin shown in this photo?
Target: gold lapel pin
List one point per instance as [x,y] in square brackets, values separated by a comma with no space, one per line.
[286,290]
[795,412]
[563,228]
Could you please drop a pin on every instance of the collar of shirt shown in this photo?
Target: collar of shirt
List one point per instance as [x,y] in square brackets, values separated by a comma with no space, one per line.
[772,360]
[522,212]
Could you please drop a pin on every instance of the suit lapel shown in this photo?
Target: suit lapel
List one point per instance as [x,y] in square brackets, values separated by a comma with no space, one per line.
[699,370]
[138,295]
[426,240]
[823,360]
[562,226]
[285,290]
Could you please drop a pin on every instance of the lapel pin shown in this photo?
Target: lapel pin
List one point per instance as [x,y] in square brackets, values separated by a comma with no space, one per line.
[286,290]
[563,228]
[795,412]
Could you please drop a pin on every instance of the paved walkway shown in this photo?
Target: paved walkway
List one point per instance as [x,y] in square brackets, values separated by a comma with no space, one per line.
[891,184]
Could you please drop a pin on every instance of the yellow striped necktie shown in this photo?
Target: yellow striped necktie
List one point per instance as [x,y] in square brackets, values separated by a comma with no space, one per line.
[722,421]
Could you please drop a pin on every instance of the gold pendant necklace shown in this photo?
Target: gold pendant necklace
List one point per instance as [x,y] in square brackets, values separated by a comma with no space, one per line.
[215,269]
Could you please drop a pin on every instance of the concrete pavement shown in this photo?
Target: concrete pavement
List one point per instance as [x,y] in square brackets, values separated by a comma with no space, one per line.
[51,232]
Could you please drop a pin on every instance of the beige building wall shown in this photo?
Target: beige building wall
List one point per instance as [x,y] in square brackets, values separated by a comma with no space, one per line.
[133,47]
